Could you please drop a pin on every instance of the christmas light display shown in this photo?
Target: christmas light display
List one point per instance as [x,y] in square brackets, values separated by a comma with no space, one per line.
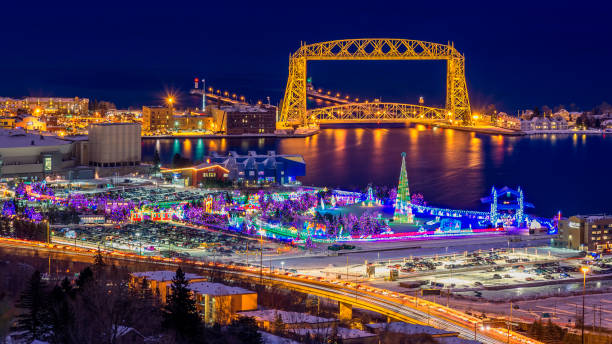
[403,209]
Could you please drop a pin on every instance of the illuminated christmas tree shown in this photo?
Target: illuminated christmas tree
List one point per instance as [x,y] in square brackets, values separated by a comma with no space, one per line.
[403,210]
[520,212]
[493,214]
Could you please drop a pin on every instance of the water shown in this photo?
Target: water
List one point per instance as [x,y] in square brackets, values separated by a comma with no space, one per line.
[449,167]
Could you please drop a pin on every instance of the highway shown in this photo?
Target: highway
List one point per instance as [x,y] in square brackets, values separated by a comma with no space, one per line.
[396,306]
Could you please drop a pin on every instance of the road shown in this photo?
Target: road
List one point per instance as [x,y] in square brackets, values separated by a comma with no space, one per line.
[396,306]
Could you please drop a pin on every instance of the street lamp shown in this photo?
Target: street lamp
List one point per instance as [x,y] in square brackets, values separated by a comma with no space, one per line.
[584,270]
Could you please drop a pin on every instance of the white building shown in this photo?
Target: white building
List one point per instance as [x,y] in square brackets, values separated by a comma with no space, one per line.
[33,155]
[544,124]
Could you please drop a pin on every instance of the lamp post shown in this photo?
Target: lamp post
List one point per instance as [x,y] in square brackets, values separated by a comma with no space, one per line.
[584,270]
[261,259]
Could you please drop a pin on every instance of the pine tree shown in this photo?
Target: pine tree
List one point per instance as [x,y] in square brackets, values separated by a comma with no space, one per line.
[35,317]
[245,330]
[98,262]
[278,326]
[181,315]
[85,277]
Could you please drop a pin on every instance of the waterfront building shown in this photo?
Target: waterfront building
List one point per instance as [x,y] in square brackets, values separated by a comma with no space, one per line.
[218,303]
[270,168]
[46,105]
[114,144]
[245,119]
[7,122]
[261,168]
[265,319]
[25,154]
[506,121]
[193,122]
[198,175]
[156,118]
[159,282]
[544,124]
[587,232]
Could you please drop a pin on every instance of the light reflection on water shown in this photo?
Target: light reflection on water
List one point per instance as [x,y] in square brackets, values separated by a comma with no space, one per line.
[451,168]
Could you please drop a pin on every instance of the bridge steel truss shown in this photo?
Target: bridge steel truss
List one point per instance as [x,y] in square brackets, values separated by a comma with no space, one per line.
[375,112]
[294,111]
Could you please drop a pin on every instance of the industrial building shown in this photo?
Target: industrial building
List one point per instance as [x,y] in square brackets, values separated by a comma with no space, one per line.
[192,122]
[114,144]
[156,118]
[25,154]
[587,232]
[245,119]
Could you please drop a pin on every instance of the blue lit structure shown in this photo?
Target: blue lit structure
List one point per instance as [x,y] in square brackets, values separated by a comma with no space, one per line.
[507,206]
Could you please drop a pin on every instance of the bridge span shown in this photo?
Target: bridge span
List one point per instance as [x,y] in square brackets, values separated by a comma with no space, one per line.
[376,112]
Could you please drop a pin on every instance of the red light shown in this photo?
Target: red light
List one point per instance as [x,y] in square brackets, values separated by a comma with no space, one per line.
[196,80]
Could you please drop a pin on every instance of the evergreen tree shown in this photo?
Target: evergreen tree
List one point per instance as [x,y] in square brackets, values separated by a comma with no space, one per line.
[245,331]
[278,326]
[85,277]
[181,315]
[61,313]
[98,261]
[35,317]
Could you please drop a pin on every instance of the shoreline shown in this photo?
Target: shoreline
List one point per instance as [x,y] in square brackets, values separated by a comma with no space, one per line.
[227,136]
[487,131]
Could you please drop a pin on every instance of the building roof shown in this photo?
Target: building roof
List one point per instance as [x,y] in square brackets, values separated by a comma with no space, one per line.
[269,338]
[593,217]
[113,124]
[455,340]
[163,275]
[246,108]
[217,289]
[343,332]
[15,138]
[406,328]
[287,317]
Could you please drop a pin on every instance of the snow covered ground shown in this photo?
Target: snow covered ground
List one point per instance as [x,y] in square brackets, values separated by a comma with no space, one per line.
[562,310]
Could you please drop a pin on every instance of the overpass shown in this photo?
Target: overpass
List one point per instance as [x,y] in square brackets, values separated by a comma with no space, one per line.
[394,305]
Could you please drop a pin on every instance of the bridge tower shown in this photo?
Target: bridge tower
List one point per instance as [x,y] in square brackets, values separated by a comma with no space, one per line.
[403,210]
[294,112]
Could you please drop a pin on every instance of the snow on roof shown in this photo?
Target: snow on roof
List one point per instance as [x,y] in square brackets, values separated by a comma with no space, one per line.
[406,328]
[287,317]
[163,276]
[343,332]
[455,340]
[217,289]
[14,138]
[269,338]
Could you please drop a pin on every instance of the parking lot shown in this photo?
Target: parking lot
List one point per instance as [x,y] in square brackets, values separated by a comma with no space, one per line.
[166,239]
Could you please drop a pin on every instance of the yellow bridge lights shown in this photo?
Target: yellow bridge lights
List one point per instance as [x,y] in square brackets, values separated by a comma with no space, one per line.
[457,107]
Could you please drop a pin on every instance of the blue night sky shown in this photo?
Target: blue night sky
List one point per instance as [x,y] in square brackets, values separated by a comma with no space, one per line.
[519,54]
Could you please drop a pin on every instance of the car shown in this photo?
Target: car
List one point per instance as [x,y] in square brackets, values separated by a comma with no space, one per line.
[497,276]
[478,284]
[529,279]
